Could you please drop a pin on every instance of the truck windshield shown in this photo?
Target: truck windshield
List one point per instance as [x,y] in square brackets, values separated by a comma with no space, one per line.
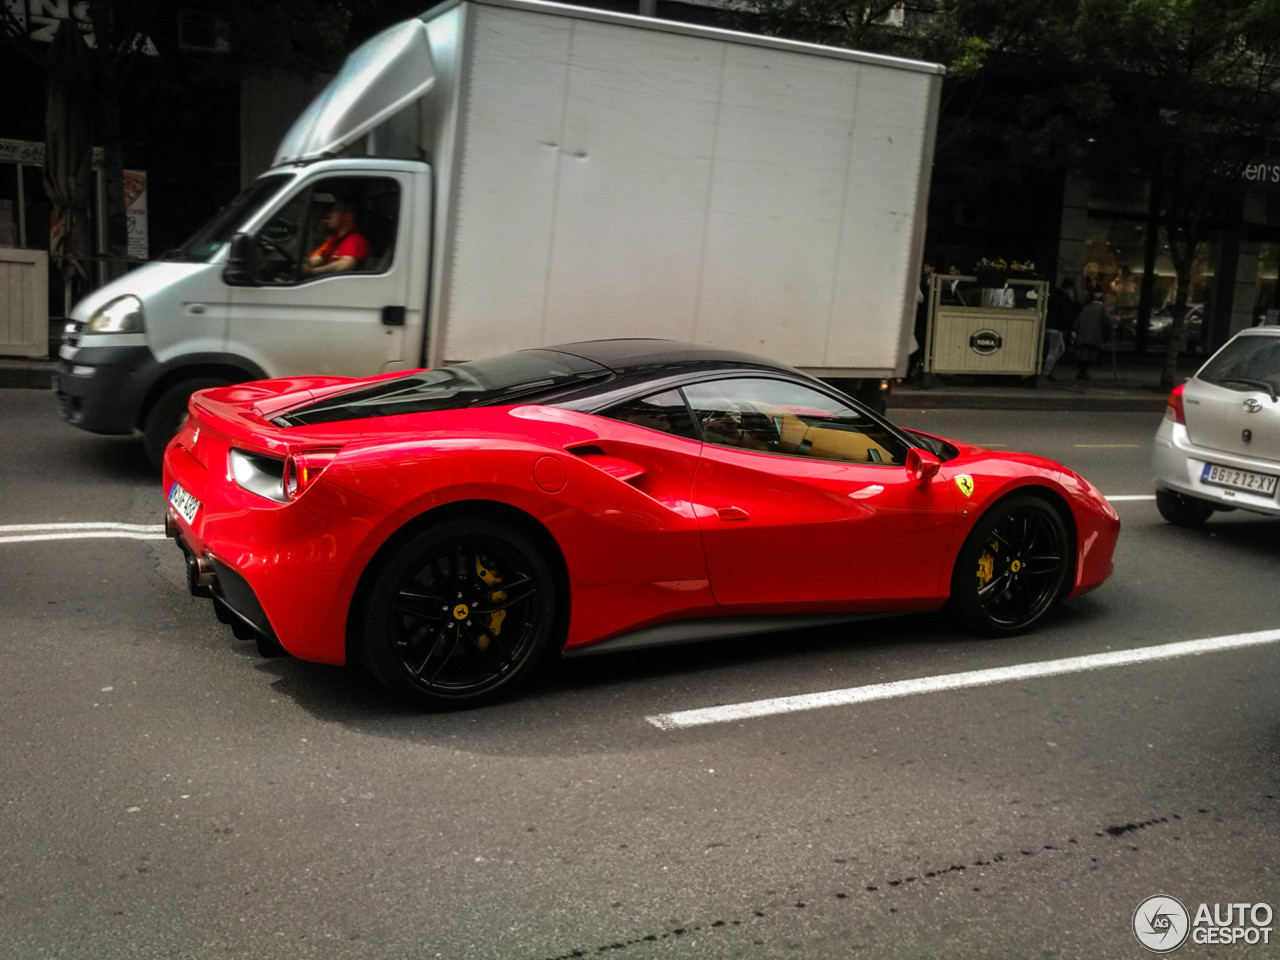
[529,376]
[209,239]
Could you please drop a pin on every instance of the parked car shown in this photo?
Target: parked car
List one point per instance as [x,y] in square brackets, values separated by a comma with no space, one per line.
[449,527]
[1218,447]
[1160,326]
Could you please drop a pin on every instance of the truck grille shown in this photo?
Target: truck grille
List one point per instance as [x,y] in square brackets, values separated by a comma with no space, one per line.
[71,333]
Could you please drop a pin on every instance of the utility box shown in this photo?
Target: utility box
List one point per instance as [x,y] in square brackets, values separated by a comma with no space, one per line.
[24,303]
[985,326]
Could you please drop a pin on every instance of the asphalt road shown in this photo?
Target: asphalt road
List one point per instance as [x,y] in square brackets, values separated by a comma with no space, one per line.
[166,793]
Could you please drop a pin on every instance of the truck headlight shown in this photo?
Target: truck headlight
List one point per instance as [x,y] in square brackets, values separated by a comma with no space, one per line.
[121,315]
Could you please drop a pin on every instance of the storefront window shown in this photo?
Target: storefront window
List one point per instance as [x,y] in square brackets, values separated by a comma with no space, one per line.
[37,207]
[1164,293]
[9,233]
[1265,308]
[1115,255]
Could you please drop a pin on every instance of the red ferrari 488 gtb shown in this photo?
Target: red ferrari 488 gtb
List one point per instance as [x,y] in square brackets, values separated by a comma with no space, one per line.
[448,528]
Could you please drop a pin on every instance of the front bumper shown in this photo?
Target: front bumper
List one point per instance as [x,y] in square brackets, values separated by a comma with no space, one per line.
[1178,465]
[101,389]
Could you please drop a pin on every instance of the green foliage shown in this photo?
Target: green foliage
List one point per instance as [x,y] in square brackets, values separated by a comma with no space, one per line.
[969,58]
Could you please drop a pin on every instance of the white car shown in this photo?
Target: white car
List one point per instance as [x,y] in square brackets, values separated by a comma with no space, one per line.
[1218,447]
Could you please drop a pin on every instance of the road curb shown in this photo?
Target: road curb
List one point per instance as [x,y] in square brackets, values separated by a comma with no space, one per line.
[26,374]
[38,375]
[977,401]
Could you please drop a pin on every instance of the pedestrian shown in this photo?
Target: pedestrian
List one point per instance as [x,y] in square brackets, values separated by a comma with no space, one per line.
[915,361]
[1093,329]
[1060,320]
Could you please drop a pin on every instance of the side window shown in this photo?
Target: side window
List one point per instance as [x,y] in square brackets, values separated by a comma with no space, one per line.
[663,411]
[776,416]
[336,225]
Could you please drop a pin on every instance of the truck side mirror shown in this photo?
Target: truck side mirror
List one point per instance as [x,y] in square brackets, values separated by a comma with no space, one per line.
[239,271]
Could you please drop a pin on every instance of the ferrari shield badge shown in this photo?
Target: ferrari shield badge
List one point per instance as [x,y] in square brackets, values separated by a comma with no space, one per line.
[964,483]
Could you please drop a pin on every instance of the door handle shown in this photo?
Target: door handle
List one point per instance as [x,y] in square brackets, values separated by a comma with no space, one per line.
[393,316]
[731,513]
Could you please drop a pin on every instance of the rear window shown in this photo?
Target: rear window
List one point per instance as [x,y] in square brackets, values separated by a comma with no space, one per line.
[530,376]
[1246,362]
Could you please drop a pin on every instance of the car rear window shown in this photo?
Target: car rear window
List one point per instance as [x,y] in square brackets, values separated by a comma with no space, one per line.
[530,376]
[1244,362]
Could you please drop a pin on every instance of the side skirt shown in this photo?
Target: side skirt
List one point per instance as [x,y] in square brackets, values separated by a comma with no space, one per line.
[714,628]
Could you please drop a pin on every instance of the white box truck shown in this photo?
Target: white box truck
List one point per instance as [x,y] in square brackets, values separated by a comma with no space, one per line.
[527,173]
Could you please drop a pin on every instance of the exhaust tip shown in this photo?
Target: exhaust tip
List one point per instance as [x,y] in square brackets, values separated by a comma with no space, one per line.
[200,576]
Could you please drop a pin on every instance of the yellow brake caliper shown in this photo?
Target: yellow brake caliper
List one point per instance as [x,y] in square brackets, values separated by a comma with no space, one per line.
[987,564]
[491,578]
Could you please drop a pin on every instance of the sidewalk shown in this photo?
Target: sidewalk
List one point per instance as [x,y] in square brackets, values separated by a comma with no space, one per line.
[1133,384]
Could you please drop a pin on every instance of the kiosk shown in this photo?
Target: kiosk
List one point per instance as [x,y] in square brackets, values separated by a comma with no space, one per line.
[988,324]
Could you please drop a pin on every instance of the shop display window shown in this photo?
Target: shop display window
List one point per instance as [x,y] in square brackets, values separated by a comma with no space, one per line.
[1266,309]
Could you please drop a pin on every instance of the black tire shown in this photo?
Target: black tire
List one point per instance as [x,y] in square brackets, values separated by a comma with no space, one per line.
[1012,568]
[440,626]
[169,413]
[1181,510]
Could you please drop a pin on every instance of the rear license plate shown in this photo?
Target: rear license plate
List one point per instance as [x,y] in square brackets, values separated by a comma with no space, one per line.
[1238,479]
[186,505]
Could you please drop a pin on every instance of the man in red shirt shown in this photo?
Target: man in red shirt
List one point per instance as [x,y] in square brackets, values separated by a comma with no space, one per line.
[345,248]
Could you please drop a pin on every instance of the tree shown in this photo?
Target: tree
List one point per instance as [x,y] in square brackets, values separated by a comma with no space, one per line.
[1193,87]
[1183,91]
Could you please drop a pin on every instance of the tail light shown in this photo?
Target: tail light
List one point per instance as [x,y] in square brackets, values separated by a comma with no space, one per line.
[1174,411]
[302,469]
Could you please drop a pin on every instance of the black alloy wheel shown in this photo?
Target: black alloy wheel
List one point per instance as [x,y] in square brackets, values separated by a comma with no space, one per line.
[1181,510]
[1012,568]
[461,612]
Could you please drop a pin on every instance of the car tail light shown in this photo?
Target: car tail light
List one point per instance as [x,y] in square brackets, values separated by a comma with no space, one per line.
[302,469]
[1174,411]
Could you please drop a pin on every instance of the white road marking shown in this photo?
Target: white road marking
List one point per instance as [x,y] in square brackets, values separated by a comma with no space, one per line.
[728,713]
[1128,498]
[35,532]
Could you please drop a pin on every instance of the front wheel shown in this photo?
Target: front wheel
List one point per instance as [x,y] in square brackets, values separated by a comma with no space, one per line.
[459,614]
[1181,510]
[1012,568]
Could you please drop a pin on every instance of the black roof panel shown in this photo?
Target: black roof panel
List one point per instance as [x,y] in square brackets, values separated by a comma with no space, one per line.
[634,355]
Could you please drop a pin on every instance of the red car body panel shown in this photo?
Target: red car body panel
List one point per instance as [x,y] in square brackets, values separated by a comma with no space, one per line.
[651,527]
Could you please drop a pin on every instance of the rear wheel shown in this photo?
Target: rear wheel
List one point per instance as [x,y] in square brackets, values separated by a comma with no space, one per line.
[460,614]
[1012,568]
[169,413]
[1181,510]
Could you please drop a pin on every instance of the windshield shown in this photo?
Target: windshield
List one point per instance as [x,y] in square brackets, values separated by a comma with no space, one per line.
[527,376]
[1246,362]
[209,239]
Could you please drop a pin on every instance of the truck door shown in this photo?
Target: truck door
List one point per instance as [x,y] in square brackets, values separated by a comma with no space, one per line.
[337,277]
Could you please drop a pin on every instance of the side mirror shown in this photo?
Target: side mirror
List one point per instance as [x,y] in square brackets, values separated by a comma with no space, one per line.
[240,262]
[922,466]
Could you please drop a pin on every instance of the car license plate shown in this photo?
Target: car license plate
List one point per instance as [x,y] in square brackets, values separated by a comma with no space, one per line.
[186,505]
[1238,479]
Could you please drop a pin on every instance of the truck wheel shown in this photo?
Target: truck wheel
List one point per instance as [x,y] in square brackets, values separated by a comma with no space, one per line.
[169,413]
